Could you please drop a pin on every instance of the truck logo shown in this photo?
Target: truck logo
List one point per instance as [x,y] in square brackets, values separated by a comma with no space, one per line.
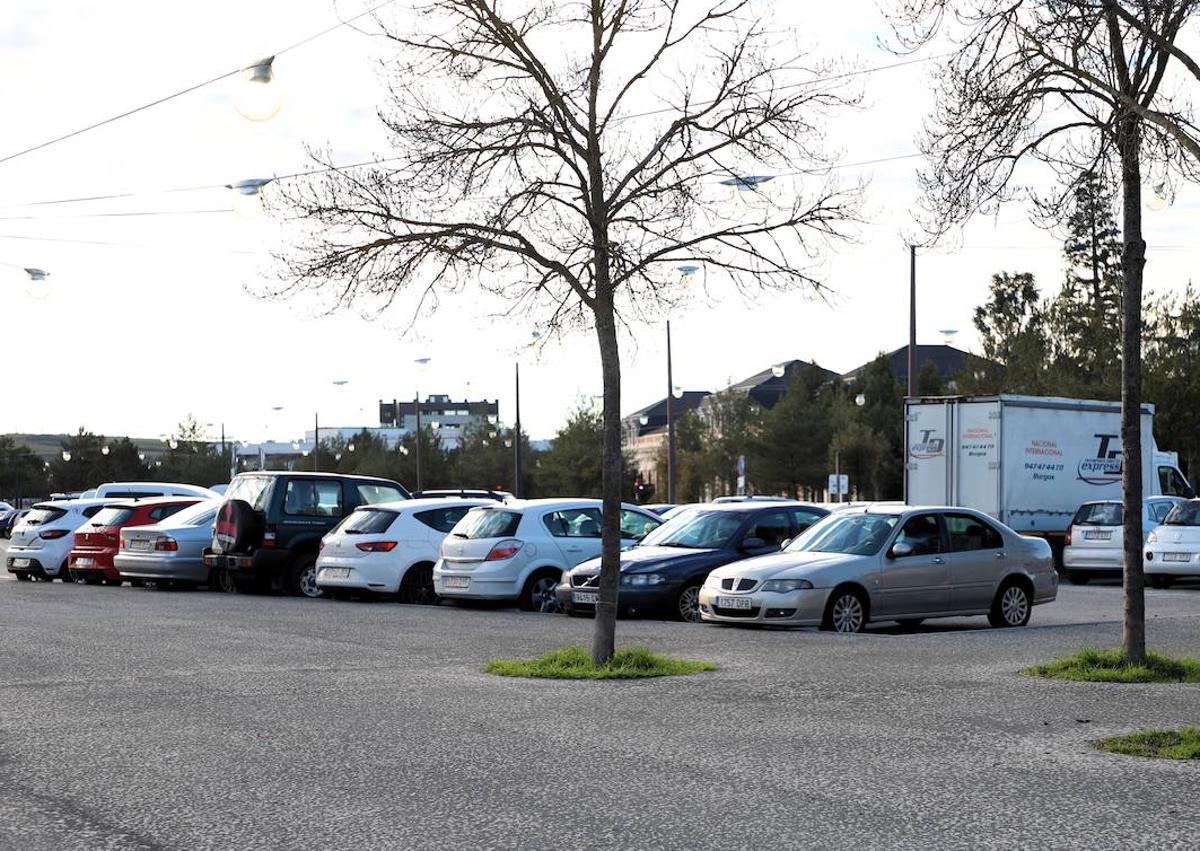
[1106,468]
[928,446]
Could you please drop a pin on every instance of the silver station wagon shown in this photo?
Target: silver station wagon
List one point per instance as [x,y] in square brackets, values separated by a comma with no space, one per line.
[888,563]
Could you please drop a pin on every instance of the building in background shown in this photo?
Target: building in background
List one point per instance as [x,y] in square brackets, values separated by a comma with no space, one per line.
[644,434]
[947,360]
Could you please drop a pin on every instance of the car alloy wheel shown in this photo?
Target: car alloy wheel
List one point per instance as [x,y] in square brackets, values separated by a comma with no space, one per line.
[847,614]
[417,587]
[689,604]
[1014,605]
[542,595]
[307,581]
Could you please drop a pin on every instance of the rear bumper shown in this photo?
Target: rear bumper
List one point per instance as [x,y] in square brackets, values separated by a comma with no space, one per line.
[1085,558]
[93,564]
[361,574]
[261,564]
[26,564]
[489,581]
[142,567]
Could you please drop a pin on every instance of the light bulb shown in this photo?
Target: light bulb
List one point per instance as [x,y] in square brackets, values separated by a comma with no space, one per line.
[258,96]
[677,392]
[66,456]
[37,286]
[104,450]
[1156,199]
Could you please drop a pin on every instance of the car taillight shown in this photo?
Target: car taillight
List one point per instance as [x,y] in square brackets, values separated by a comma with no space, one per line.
[505,549]
[1070,528]
[163,544]
[377,546]
[269,537]
[52,534]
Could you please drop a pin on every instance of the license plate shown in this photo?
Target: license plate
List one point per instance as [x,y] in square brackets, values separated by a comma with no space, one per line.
[139,545]
[458,581]
[83,562]
[21,562]
[336,573]
[587,597]
[1097,536]
[733,602]
[1177,557]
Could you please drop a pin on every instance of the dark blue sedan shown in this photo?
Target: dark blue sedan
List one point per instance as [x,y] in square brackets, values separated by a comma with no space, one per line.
[663,573]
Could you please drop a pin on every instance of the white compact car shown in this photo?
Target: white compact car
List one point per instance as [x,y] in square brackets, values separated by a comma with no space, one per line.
[1096,537]
[1173,549]
[41,541]
[519,550]
[390,547]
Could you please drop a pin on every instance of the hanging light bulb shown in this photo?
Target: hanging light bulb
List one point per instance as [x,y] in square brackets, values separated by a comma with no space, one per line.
[677,392]
[1157,199]
[66,456]
[247,196]
[779,370]
[37,286]
[258,96]
[173,443]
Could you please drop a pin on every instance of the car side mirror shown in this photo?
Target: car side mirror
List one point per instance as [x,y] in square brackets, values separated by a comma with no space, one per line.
[900,549]
[786,542]
[753,543]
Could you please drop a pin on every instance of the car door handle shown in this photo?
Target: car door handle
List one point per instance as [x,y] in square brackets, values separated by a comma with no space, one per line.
[1001,554]
[574,549]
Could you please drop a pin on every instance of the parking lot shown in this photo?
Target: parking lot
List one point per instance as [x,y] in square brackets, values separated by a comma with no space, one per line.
[140,719]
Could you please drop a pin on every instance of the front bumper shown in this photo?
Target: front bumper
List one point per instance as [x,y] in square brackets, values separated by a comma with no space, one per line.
[795,608]
[631,599]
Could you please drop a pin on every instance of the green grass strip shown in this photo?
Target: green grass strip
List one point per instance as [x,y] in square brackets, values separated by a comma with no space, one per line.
[1109,666]
[1163,744]
[575,663]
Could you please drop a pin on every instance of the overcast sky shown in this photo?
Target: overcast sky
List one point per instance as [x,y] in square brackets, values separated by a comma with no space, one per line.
[149,317]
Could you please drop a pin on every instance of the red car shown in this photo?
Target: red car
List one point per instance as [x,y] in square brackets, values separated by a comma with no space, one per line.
[96,542]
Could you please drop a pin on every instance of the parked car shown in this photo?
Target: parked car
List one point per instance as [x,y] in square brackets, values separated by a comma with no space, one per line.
[5,507]
[10,520]
[519,550]
[97,540]
[1173,549]
[141,490]
[664,572]
[171,552]
[1095,542]
[44,537]
[390,548]
[659,508]
[888,563]
[270,525]
[750,498]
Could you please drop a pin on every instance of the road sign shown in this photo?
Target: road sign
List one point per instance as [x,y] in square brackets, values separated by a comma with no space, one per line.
[839,485]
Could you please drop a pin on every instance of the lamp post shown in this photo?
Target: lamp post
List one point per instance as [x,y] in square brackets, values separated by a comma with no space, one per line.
[670,422]
[912,320]
[517,435]
[421,363]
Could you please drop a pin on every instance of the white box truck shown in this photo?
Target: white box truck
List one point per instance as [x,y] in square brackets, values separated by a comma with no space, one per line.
[1028,461]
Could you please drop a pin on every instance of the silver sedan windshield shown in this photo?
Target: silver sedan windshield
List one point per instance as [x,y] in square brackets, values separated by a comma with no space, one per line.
[851,534]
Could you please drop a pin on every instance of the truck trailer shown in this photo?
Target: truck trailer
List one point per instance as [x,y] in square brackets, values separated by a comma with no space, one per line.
[1028,461]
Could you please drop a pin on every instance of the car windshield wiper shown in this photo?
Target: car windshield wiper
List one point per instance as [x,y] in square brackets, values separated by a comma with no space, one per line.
[678,544]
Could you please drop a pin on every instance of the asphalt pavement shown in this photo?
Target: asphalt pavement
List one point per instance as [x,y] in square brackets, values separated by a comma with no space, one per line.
[142,719]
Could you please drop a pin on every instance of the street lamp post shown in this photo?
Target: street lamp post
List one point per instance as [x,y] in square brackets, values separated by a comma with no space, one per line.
[670,423]
[517,436]
[912,320]
[421,364]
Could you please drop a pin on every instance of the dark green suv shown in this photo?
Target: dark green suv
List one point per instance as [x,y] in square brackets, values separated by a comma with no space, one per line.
[270,525]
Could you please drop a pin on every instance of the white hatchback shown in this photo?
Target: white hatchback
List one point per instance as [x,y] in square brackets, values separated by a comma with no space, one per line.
[41,541]
[389,547]
[1095,545]
[1173,549]
[519,550]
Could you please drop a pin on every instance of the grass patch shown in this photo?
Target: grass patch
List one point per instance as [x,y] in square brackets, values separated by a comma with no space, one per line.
[575,663]
[1163,744]
[1108,666]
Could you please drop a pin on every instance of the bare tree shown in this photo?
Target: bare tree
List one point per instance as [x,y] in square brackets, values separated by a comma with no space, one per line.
[1079,86]
[563,157]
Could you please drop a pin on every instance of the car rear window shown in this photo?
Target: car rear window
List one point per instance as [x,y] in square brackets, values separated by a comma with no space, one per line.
[369,494]
[1184,514]
[251,489]
[1100,514]
[367,521]
[442,519]
[488,523]
[112,516]
[42,516]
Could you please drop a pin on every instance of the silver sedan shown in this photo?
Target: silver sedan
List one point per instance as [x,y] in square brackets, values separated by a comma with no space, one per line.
[888,563]
[171,552]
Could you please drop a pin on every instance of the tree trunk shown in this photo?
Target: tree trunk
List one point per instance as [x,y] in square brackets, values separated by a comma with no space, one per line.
[604,636]
[1133,260]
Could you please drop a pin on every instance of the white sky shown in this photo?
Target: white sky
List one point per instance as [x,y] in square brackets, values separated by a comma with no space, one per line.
[136,335]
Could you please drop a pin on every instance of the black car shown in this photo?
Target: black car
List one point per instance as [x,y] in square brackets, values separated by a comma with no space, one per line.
[664,572]
[269,527]
[9,521]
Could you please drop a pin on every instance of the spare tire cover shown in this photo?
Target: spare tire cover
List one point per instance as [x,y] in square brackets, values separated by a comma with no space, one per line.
[237,527]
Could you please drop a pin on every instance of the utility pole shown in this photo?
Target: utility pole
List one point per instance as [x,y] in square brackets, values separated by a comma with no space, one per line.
[517,436]
[420,462]
[670,423]
[316,439]
[912,320]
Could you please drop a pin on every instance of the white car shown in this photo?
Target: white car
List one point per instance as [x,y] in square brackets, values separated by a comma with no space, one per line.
[1173,549]
[1096,536]
[390,547]
[41,541]
[519,550]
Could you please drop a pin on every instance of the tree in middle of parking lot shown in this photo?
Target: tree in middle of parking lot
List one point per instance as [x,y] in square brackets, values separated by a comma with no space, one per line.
[524,162]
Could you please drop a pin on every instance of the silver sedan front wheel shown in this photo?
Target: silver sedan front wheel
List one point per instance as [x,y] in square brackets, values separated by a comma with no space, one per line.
[846,612]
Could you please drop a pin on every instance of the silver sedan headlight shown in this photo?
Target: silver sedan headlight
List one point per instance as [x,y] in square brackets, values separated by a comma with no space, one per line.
[712,581]
[643,579]
[784,586]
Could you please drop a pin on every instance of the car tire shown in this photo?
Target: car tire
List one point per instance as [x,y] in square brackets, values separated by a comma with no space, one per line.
[302,579]
[416,587]
[1011,607]
[1078,577]
[1158,580]
[220,580]
[22,576]
[687,605]
[538,594]
[847,611]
